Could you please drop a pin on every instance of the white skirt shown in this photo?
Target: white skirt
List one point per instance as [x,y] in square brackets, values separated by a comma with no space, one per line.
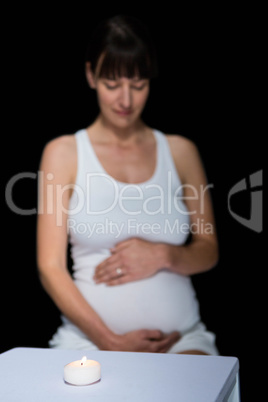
[68,336]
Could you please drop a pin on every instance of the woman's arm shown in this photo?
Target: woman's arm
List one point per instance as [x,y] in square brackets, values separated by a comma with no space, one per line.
[58,166]
[201,254]
[139,259]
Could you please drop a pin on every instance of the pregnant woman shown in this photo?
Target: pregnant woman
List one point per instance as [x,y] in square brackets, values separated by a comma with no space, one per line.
[134,205]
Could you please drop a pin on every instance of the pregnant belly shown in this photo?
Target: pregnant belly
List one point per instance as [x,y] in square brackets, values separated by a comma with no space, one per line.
[165,301]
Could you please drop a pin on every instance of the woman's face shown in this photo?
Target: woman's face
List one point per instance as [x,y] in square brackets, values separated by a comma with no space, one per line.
[122,100]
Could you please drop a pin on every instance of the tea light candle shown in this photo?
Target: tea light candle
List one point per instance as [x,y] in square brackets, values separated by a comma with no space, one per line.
[82,372]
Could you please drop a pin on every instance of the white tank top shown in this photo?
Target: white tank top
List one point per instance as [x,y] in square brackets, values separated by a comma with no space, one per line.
[103,212]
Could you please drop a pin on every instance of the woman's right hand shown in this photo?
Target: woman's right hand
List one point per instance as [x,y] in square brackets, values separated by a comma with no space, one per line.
[144,340]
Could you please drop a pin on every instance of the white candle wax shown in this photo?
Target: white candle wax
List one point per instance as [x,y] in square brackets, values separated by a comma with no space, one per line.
[82,372]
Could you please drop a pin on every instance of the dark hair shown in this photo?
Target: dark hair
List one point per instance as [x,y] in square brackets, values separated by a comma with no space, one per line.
[126,47]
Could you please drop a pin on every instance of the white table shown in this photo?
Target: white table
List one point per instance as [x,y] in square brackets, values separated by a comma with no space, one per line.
[36,375]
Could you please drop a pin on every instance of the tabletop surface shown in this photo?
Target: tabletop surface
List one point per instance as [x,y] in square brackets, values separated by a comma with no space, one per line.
[32,374]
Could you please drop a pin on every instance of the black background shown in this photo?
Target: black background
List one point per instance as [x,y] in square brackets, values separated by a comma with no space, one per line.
[209,90]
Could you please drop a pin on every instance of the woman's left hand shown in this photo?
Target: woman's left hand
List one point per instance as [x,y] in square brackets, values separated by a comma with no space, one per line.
[131,260]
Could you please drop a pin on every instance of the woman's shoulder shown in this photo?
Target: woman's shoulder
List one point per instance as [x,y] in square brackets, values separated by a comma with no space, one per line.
[185,155]
[62,143]
[62,146]
[180,145]
[60,151]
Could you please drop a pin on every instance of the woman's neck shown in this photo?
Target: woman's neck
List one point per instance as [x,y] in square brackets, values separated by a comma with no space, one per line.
[107,132]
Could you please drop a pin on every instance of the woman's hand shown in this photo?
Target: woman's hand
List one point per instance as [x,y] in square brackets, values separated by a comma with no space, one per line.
[144,340]
[131,260]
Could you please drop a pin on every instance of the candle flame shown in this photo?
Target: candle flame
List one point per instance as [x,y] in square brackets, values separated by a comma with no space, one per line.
[83,360]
